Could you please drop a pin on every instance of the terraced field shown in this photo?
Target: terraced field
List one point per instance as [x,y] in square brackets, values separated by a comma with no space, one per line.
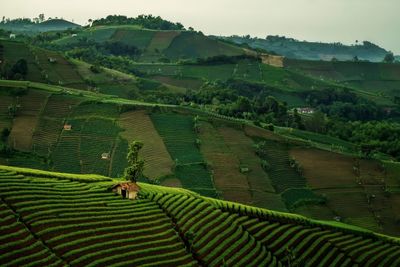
[138,126]
[14,51]
[26,120]
[180,138]
[59,219]
[57,69]
[6,101]
[223,164]
[84,225]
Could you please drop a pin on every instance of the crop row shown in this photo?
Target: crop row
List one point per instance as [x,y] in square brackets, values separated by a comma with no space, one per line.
[18,246]
[311,245]
[89,229]
[217,237]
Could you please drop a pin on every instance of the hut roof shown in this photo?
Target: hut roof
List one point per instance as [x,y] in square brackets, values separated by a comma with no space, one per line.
[129,186]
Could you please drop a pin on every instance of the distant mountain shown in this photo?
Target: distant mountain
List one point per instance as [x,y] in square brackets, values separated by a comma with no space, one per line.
[27,26]
[296,49]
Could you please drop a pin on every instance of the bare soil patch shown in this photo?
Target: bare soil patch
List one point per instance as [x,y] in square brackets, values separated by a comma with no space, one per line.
[324,169]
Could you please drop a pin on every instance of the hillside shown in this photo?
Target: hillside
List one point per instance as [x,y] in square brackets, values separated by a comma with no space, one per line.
[55,68]
[80,222]
[295,49]
[377,78]
[210,154]
[30,28]
[165,82]
[151,45]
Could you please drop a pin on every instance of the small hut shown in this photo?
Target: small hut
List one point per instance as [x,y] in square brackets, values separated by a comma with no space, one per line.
[52,60]
[67,127]
[105,156]
[128,190]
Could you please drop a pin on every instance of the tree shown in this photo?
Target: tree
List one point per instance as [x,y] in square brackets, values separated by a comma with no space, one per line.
[316,123]
[4,134]
[135,164]
[389,58]
[41,18]
[21,67]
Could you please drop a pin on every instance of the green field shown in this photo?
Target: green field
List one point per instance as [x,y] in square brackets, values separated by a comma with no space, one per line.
[59,219]
[180,137]
[378,81]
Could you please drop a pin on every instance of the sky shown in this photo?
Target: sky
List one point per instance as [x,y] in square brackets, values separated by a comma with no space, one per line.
[343,21]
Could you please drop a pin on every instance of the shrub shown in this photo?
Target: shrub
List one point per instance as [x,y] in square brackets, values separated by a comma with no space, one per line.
[95,69]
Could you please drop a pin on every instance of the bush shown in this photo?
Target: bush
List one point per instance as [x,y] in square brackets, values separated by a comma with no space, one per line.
[4,134]
[95,69]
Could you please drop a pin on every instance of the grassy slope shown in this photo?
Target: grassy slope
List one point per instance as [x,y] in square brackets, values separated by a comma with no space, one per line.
[98,227]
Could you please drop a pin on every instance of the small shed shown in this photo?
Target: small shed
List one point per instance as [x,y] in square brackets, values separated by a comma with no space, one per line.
[128,190]
[244,169]
[52,59]
[67,127]
[74,35]
[13,36]
[305,110]
[105,156]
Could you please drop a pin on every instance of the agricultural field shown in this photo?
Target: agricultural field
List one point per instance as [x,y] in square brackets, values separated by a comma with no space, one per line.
[138,38]
[98,34]
[179,136]
[14,51]
[379,79]
[259,182]
[354,189]
[80,222]
[26,119]
[337,169]
[189,83]
[155,45]
[334,143]
[57,69]
[195,45]
[218,160]
[137,125]
[225,165]
[161,40]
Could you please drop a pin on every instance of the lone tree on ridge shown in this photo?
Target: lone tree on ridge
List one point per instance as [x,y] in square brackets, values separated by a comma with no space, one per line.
[135,164]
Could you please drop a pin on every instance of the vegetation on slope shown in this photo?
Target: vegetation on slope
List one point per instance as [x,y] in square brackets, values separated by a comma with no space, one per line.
[296,49]
[76,223]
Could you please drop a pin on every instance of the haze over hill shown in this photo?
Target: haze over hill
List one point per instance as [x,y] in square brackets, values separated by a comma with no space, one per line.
[30,27]
[296,49]
[326,21]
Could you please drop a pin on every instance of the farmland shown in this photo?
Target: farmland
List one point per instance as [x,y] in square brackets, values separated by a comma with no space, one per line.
[218,159]
[138,126]
[178,133]
[243,161]
[79,221]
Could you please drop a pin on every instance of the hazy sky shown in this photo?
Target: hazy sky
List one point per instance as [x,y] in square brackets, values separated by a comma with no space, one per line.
[315,20]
